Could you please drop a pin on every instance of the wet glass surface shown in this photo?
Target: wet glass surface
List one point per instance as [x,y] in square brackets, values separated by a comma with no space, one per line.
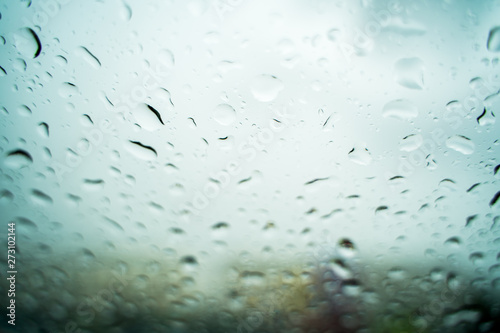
[250,166]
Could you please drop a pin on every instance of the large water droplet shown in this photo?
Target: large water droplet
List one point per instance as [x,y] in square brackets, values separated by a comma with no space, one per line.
[494,40]
[224,114]
[28,226]
[68,89]
[411,142]
[27,43]
[166,58]
[461,144]
[125,12]
[18,159]
[266,88]
[400,109]
[140,150]
[148,117]
[252,278]
[41,198]
[90,58]
[360,155]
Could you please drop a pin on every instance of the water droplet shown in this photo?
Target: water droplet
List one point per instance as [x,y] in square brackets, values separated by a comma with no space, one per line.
[494,40]
[148,117]
[125,12]
[453,242]
[346,248]
[18,159]
[93,184]
[189,262]
[224,114]
[41,198]
[360,156]
[351,287]
[486,118]
[340,269]
[141,151]
[265,88]
[68,89]
[252,278]
[19,65]
[454,319]
[113,224]
[476,258]
[409,73]
[461,144]
[166,58]
[29,226]
[24,111]
[27,43]
[400,109]
[88,56]
[411,142]
[453,281]
[494,270]
[495,199]
[6,197]
[43,129]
